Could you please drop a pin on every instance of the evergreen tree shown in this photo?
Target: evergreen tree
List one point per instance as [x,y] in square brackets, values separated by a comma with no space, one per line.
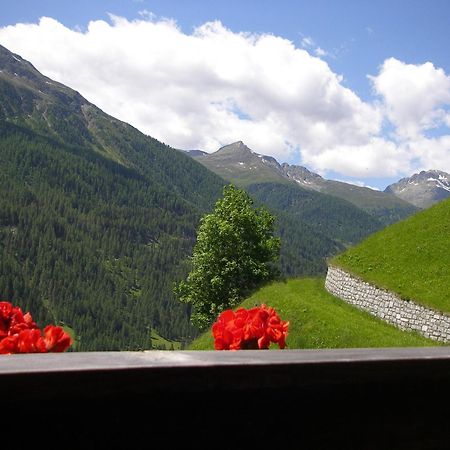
[233,255]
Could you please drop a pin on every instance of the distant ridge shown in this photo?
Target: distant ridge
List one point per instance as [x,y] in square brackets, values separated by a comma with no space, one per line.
[422,189]
[239,164]
[312,225]
[196,153]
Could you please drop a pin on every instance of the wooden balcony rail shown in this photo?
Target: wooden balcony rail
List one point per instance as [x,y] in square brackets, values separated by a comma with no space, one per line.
[396,398]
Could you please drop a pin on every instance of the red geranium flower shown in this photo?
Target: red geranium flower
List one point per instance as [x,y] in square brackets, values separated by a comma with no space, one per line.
[255,328]
[26,341]
[20,334]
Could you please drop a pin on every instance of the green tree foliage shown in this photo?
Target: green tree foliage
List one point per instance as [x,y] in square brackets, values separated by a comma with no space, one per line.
[233,255]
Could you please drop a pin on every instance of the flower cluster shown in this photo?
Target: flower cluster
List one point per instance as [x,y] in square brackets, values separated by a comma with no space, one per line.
[20,334]
[254,328]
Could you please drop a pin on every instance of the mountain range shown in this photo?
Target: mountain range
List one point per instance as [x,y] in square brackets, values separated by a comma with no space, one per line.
[241,165]
[238,163]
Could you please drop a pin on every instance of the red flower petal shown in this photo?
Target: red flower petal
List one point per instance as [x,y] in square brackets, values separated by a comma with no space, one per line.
[8,345]
[30,341]
[56,339]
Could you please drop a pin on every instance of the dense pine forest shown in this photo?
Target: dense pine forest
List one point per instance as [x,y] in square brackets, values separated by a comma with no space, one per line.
[89,243]
[328,215]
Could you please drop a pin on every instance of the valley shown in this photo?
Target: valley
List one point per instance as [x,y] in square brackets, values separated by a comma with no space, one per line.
[98,220]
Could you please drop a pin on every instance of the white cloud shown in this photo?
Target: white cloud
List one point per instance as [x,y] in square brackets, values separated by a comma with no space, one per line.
[212,87]
[413,95]
[415,100]
[320,52]
[146,14]
[359,183]
[307,42]
[202,90]
[377,156]
[431,153]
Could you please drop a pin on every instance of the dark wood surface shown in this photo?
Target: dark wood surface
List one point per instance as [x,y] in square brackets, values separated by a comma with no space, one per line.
[314,399]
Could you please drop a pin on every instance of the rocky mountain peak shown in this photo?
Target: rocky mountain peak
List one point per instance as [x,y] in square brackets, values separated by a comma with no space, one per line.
[302,176]
[422,189]
[237,147]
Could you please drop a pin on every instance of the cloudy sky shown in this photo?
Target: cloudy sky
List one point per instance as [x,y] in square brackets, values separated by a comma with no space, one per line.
[355,90]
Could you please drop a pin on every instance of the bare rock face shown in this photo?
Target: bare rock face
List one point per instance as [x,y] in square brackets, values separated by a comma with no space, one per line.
[422,189]
[304,177]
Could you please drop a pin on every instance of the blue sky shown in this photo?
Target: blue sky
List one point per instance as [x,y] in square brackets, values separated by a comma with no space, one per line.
[354,90]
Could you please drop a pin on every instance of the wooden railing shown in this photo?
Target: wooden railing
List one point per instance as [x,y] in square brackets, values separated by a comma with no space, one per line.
[307,399]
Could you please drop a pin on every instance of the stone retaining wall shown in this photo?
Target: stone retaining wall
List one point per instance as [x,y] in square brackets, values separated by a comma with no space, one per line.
[406,315]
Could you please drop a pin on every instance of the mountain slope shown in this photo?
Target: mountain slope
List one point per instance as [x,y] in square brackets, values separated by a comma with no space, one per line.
[330,216]
[51,109]
[239,164]
[313,226]
[96,219]
[384,206]
[422,189]
[410,257]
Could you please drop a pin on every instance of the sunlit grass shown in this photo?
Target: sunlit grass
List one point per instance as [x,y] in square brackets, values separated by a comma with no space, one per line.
[411,258]
[320,320]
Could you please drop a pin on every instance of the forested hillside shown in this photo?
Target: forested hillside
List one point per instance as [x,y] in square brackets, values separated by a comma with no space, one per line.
[330,216]
[96,244]
[96,219]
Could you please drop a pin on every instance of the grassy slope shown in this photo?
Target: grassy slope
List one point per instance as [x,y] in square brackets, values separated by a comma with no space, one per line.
[320,320]
[160,343]
[365,198]
[411,258]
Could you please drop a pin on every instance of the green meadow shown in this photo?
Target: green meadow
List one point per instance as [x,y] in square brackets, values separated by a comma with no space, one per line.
[320,320]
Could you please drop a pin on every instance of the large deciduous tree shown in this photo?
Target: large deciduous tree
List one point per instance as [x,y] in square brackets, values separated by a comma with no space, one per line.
[234,254]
